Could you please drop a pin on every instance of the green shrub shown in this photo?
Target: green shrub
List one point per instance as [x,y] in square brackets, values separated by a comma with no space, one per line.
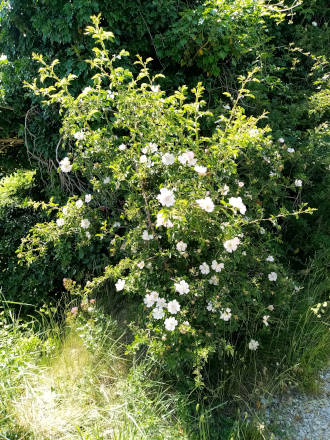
[192,218]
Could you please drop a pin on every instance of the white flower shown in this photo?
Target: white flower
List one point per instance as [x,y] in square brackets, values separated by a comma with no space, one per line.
[204,268]
[210,307]
[88,198]
[143,158]
[271,307]
[168,159]
[85,223]
[227,107]
[262,231]
[237,202]
[151,298]
[217,267]
[116,225]
[265,320]
[65,165]
[106,180]
[150,148]
[65,210]
[162,220]
[3,57]
[200,170]
[161,303]
[60,221]
[182,287]
[231,245]
[188,157]
[173,307]
[181,246]
[225,314]
[158,313]
[281,140]
[225,190]
[110,94]
[79,203]
[88,235]
[170,323]
[272,276]
[314,23]
[298,183]
[253,345]
[155,89]
[166,197]
[120,284]
[122,147]
[206,204]
[270,258]
[214,280]
[241,184]
[79,135]
[290,150]
[146,236]
[140,265]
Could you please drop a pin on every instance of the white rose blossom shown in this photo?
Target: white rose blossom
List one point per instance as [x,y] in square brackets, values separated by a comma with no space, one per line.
[158,313]
[161,303]
[217,267]
[60,221]
[187,158]
[210,307]
[150,148]
[206,204]
[106,180]
[281,140]
[231,245]
[162,220]
[79,135]
[168,159]
[120,284]
[140,265]
[270,258]
[224,190]
[170,323]
[65,165]
[214,280]
[85,223]
[290,150]
[151,298]
[200,170]
[181,246]
[166,197]
[204,268]
[182,287]
[173,307]
[88,198]
[237,202]
[122,147]
[146,236]
[298,183]
[79,203]
[225,314]
[253,345]
[265,320]
[272,276]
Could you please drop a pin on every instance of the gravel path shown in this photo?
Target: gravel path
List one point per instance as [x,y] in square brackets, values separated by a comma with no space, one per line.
[300,416]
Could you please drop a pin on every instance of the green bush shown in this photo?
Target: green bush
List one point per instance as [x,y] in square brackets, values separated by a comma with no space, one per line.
[192,218]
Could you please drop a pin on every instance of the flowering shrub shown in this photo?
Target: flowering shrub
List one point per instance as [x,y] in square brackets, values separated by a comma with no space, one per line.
[192,217]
